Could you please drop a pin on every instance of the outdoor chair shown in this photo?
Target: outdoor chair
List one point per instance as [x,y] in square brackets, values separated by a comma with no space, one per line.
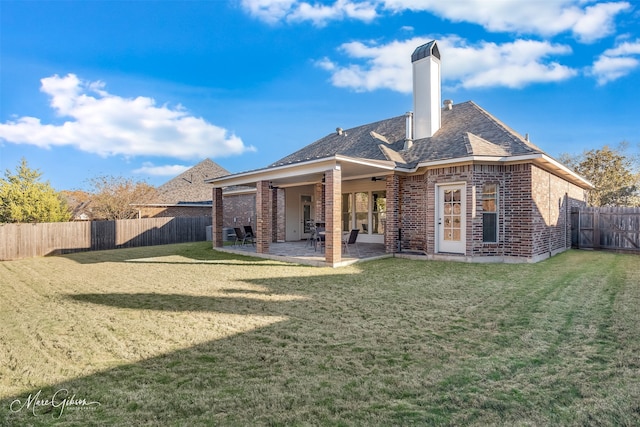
[249,235]
[351,239]
[319,238]
[312,233]
[238,236]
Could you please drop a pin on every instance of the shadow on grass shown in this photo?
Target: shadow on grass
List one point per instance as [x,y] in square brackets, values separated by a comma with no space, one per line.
[198,253]
[238,302]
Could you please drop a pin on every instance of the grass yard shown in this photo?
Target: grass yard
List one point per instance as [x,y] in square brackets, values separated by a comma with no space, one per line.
[181,335]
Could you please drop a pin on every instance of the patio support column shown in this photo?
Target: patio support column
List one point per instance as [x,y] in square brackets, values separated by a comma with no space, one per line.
[333,213]
[318,197]
[217,218]
[280,214]
[392,214]
[264,221]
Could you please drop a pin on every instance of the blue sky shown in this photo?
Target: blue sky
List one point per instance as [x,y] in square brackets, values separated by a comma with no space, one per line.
[146,89]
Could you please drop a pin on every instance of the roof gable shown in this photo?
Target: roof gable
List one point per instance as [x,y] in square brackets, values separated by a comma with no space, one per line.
[190,186]
[489,137]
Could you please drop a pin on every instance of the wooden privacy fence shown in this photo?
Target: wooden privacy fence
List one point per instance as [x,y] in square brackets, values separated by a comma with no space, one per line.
[606,228]
[31,240]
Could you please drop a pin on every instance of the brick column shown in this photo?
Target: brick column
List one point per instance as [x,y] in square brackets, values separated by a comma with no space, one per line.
[333,213]
[217,218]
[393,214]
[318,197]
[264,220]
[279,220]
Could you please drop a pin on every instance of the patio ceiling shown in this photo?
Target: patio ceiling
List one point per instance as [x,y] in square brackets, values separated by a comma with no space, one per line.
[308,172]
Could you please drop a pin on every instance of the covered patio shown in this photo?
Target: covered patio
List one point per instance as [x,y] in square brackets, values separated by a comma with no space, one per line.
[301,252]
[291,195]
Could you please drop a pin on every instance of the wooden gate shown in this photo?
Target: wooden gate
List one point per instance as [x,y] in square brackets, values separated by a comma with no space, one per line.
[606,228]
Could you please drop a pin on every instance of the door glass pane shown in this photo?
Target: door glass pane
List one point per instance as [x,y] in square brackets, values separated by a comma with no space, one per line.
[452,220]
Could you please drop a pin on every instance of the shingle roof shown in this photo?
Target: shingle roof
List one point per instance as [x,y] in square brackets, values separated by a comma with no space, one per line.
[189,186]
[361,142]
[467,130]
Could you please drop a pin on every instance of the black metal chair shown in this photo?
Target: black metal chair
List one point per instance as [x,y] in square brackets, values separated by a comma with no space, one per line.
[239,235]
[351,239]
[249,235]
[312,233]
[319,239]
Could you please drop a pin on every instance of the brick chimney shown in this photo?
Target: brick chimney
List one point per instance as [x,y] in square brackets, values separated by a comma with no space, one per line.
[426,90]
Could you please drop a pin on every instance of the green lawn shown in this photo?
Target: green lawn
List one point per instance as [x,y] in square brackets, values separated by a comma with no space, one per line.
[181,335]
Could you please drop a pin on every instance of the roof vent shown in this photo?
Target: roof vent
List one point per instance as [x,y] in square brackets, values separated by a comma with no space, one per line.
[338,131]
[448,104]
[408,137]
[526,137]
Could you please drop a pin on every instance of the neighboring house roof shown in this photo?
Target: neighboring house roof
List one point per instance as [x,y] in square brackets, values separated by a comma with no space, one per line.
[189,187]
[467,130]
[79,203]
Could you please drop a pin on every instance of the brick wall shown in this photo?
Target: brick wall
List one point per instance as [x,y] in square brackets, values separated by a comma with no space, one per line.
[514,210]
[242,207]
[413,212]
[332,216]
[553,199]
[264,218]
[533,209]
[393,214]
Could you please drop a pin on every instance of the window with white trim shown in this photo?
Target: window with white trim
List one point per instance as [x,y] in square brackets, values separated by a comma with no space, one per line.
[490,213]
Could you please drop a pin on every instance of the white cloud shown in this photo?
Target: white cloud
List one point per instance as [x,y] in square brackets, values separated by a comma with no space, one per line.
[273,11]
[106,124]
[165,170]
[270,11]
[513,65]
[547,18]
[616,62]
[587,20]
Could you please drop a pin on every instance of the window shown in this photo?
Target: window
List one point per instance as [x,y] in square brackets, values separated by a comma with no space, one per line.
[490,213]
[362,210]
[379,216]
[346,212]
[366,211]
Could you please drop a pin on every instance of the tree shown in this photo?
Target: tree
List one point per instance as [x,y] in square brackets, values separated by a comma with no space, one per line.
[23,198]
[113,197]
[615,175]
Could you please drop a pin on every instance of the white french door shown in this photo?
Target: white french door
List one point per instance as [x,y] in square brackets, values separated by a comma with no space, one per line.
[450,218]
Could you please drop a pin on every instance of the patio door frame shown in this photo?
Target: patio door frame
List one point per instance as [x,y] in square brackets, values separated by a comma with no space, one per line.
[444,244]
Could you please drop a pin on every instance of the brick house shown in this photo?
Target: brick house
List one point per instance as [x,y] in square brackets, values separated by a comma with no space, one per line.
[187,195]
[450,182]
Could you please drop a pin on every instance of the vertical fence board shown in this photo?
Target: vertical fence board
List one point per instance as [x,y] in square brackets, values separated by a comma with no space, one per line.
[30,240]
[606,228]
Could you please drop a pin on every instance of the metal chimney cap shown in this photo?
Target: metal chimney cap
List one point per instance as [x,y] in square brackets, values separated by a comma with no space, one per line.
[448,104]
[427,49]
